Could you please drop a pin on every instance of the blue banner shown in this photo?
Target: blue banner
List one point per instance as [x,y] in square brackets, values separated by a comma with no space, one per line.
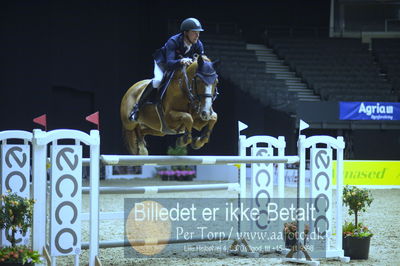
[369,111]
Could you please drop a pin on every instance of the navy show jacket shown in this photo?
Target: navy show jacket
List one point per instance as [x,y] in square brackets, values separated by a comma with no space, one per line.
[168,56]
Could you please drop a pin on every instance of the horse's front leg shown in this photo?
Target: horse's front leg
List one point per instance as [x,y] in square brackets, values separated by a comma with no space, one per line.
[184,121]
[205,132]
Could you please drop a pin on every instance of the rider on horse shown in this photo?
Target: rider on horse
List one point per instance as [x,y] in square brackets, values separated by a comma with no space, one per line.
[177,51]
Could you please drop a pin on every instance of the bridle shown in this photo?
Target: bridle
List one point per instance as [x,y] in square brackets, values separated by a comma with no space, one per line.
[191,89]
[204,95]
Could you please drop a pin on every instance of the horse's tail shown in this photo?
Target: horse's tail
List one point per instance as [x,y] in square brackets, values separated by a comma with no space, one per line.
[131,131]
[134,141]
[131,140]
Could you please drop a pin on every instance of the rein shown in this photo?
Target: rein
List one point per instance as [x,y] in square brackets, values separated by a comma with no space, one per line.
[189,89]
[192,92]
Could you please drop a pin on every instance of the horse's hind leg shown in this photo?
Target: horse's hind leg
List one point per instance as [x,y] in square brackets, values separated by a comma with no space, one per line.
[205,133]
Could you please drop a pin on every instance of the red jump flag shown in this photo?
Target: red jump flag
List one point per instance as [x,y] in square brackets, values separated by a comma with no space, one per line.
[94,118]
[41,120]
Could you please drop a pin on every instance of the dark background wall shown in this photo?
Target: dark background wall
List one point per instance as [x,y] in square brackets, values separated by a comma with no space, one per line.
[71,58]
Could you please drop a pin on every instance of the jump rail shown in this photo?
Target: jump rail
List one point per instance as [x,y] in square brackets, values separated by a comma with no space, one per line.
[136,243]
[165,189]
[129,160]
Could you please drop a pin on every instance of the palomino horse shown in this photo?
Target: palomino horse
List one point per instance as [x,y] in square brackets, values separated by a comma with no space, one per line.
[186,104]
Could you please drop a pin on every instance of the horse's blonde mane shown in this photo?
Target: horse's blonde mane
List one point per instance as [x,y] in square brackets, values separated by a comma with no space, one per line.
[193,67]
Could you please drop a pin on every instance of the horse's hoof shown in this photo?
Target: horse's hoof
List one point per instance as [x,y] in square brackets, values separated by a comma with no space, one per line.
[180,143]
[196,145]
[143,150]
[183,141]
[188,140]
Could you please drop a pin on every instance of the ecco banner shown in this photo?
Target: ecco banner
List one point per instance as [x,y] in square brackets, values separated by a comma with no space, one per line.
[66,198]
[14,176]
[369,111]
[262,186]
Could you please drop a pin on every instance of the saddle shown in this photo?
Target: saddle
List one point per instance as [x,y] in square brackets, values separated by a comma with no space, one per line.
[155,99]
[157,95]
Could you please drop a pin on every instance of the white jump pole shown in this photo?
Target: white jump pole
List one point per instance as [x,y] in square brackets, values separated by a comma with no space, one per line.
[94,196]
[166,189]
[339,194]
[281,169]
[39,180]
[194,160]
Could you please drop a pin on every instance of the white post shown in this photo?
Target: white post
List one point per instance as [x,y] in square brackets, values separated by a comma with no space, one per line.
[281,170]
[242,152]
[242,171]
[39,177]
[302,166]
[301,185]
[339,194]
[94,197]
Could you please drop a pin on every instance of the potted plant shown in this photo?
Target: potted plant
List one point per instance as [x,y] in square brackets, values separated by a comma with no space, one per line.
[16,216]
[162,172]
[181,172]
[356,236]
[177,150]
[184,173]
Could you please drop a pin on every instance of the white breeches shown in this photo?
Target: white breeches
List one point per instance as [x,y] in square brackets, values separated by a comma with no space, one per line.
[158,75]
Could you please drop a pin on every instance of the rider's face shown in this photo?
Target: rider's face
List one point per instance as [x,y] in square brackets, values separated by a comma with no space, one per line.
[192,36]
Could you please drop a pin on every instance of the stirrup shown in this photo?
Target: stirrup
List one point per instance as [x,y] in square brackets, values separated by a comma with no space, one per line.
[133,116]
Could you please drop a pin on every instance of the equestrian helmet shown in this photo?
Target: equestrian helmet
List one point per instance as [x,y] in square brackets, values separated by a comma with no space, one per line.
[191,24]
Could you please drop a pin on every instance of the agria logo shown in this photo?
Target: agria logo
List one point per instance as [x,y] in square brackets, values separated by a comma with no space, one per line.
[376,110]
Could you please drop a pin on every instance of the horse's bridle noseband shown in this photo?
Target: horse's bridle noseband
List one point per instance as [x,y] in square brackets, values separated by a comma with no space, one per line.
[204,95]
[192,92]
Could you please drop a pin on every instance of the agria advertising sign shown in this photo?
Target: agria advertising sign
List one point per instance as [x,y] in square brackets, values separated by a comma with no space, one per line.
[369,111]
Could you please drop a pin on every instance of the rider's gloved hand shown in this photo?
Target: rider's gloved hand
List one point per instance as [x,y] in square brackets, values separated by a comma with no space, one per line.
[186,61]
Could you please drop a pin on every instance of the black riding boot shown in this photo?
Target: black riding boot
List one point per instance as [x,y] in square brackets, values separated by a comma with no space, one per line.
[143,99]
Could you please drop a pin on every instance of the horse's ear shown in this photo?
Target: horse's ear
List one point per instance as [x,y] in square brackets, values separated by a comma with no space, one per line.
[216,63]
[200,61]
